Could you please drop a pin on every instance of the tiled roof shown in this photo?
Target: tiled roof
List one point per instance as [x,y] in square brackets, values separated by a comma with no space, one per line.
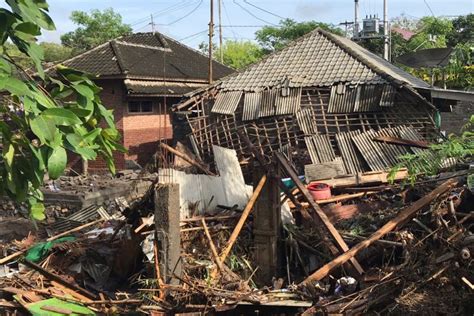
[153,87]
[146,55]
[318,59]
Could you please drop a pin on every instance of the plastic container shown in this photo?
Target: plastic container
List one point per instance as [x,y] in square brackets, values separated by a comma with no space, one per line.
[319,191]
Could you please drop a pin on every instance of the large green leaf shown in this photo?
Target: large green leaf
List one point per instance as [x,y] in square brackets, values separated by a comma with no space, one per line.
[57,161]
[84,90]
[62,116]
[44,128]
[79,146]
[14,86]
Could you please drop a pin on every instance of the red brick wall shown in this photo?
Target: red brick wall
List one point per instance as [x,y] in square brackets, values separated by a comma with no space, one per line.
[142,131]
[113,97]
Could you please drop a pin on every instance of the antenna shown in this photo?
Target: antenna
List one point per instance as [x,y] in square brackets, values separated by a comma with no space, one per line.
[152,23]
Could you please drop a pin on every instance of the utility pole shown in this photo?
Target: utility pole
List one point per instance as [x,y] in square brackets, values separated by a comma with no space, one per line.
[385,31]
[152,23]
[211,34]
[221,53]
[356,18]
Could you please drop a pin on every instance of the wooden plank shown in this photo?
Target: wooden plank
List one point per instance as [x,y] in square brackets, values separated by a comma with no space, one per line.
[243,218]
[211,244]
[402,141]
[187,159]
[404,216]
[321,216]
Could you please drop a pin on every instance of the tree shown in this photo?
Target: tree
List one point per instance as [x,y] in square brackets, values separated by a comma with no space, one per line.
[94,29]
[273,38]
[236,54]
[44,117]
[463,30]
[54,52]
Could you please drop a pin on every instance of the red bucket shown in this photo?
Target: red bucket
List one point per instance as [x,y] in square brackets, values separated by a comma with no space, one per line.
[319,191]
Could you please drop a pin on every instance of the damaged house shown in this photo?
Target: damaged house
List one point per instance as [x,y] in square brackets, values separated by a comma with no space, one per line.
[142,75]
[321,101]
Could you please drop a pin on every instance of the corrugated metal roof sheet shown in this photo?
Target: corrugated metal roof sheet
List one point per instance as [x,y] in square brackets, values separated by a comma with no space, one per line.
[347,98]
[388,96]
[349,154]
[289,104]
[267,104]
[319,148]
[251,109]
[227,102]
[305,121]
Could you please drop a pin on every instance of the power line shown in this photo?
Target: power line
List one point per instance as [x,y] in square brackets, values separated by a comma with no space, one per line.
[249,12]
[264,10]
[174,7]
[426,2]
[193,35]
[228,19]
[186,15]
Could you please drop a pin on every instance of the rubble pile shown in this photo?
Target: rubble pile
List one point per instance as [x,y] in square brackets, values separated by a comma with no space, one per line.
[413,244]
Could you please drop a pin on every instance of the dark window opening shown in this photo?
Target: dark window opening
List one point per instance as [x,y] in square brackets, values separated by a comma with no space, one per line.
[140,107]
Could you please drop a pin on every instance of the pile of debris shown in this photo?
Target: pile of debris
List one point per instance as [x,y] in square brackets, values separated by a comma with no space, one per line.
[380,249]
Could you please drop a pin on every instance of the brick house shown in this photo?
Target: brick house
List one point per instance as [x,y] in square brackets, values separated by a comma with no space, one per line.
[142,75]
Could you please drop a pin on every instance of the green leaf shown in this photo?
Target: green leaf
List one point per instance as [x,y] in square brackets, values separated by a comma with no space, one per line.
[62,116]
[37,211]
[79,146]
[45,129]
[14,86]
[57,161]
[84,90]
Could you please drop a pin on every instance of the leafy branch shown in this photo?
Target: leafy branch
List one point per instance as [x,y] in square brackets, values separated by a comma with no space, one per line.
[47,116]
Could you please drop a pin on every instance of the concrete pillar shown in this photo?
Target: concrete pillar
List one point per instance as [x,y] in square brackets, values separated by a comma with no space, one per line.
[267,228]
[167,214]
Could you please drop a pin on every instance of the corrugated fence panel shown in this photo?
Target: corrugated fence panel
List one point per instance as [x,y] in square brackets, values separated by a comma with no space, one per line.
[288,104]
[252,102]
[227,102]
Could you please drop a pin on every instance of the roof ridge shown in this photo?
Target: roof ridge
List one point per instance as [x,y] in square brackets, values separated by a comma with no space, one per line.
[357,55]
[258,62]
[77,56]
[118,55]
[193,49]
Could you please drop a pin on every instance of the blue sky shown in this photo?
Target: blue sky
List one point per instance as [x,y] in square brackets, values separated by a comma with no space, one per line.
[193,29]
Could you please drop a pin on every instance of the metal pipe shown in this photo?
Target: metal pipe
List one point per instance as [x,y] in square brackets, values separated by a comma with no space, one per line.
[356,18]
[385,30]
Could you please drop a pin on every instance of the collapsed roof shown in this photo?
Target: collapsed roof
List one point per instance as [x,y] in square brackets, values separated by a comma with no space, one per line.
[321,99]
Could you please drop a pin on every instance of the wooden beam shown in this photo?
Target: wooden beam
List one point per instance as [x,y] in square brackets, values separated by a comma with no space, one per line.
[213,247]
[404,216]
[243,218]
[187,159]
[320,215]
